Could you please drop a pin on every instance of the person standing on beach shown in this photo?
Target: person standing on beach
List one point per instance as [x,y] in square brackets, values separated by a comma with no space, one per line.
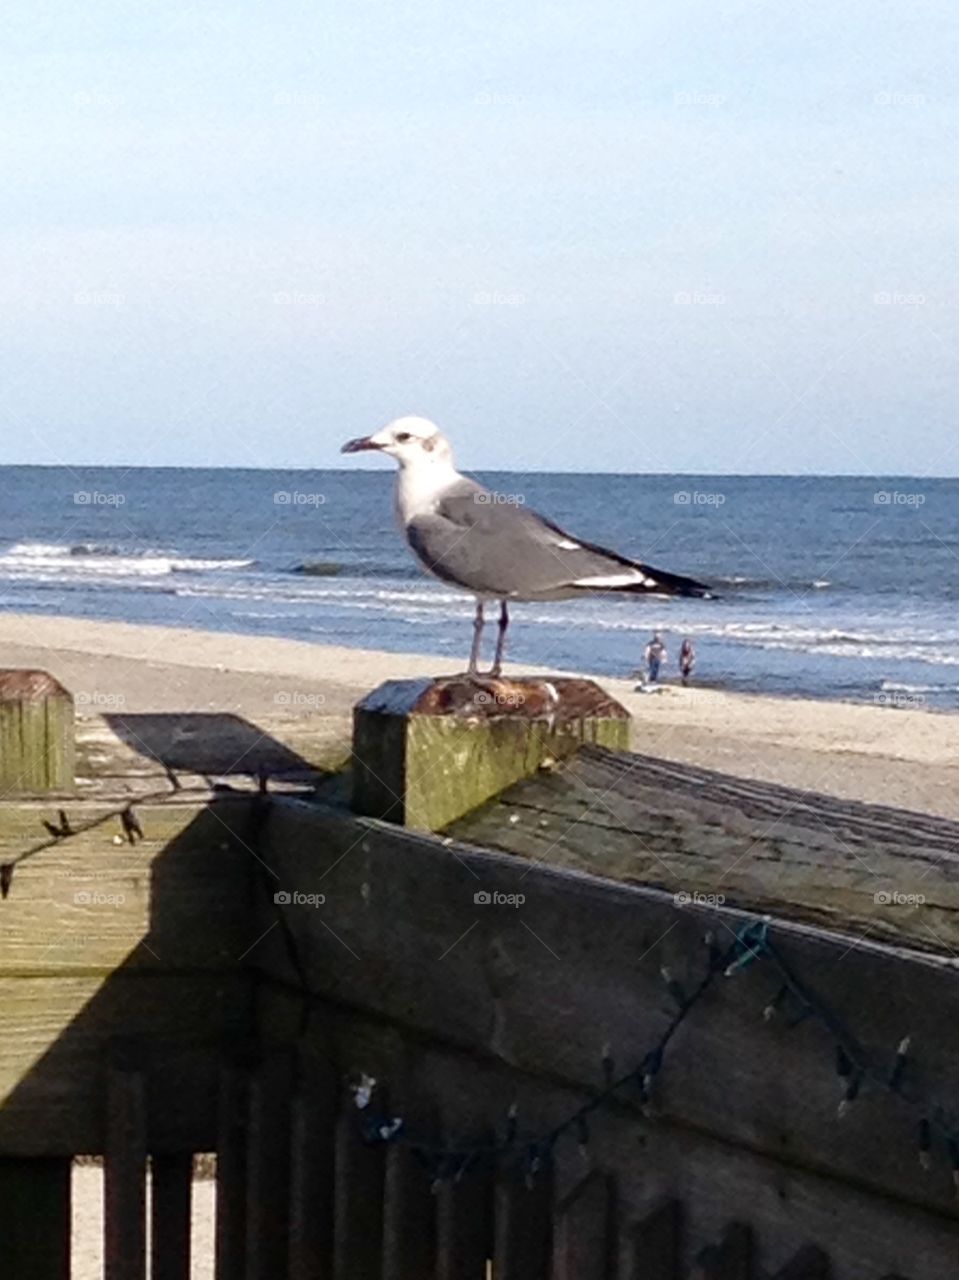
[656,655]
[687,660]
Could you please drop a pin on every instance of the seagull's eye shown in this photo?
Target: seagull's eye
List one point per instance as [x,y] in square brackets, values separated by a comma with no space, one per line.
[402,437]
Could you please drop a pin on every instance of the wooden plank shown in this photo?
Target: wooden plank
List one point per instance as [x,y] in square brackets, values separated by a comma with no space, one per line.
[810,1263]
[359,1181]
[35,1218]
[427,751]
[871,1234]
[268,1169]
[55,1032]
[233,1115]
[312,1162]
[124,745]
[545,983]
[523,1229]
[171,1184]
[171,902]
[37,752]
[585,1230]
[124,1177]
[464,1226]
[409,1218]
[656,1244]
[732,1259]
[693,831]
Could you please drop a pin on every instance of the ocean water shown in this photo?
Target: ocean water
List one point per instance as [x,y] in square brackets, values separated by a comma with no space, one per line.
[831,587]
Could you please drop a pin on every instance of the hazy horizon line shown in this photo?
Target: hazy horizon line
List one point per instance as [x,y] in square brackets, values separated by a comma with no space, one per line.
[527,471]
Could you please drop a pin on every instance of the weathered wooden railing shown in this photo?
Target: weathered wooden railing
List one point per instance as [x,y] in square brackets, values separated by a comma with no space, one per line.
[219,985]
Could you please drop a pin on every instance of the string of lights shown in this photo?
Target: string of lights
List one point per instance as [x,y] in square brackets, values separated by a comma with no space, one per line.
[936,1127]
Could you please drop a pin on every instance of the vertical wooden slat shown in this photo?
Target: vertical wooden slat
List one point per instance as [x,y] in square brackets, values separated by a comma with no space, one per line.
[585,1233]
[656,1244]
[464,1227]
[358,1198]
[124,1177]
[523,1229]
[268,1169]
[312,1160]
[232,1116]
[35,1218]
[171,1188]
[732,1259]
[409,1218]
[810,1263]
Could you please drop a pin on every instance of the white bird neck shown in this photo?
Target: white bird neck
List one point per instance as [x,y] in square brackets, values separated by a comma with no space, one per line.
[420,482]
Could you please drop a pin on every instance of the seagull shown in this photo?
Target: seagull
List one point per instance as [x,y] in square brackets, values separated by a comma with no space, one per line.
[492,546]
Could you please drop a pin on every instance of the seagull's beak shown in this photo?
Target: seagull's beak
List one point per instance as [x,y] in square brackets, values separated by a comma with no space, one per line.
[359,444]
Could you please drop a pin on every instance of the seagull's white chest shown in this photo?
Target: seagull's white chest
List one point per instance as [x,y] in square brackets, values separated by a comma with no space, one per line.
[418,489]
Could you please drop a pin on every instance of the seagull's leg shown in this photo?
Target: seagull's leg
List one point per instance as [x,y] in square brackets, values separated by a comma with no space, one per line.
[473,667]
[500,639]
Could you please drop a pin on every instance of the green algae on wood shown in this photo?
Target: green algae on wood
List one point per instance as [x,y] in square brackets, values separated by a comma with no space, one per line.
[37,753]
[425,752]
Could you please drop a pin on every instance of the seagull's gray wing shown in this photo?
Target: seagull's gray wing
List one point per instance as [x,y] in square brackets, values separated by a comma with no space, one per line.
[481,542]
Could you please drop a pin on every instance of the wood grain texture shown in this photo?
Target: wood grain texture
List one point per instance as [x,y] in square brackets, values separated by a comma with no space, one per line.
[37,742]
[177,900]
[691,831]
[424,753]
[51,1068]
[545,984]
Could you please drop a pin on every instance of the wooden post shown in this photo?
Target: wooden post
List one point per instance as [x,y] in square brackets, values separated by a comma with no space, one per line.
[35,1218]
[36,733]
[427,751]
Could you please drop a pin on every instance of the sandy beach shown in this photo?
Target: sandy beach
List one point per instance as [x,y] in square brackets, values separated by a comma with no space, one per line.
[882,753]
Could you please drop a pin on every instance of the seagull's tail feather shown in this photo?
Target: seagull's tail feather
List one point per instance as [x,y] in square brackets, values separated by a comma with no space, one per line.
[647,581]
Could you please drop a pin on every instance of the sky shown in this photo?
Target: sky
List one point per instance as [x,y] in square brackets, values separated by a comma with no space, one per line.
[668,236]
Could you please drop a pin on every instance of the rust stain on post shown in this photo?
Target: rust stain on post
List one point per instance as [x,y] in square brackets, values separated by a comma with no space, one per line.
[425,752]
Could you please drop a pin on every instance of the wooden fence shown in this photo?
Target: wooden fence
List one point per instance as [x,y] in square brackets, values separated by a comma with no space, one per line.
[268,963]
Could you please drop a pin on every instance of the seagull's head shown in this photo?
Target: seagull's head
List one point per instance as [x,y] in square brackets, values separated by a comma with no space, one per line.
[411,441]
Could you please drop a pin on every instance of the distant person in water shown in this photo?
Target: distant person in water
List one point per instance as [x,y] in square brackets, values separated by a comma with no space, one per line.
[687,660]
[656,655]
